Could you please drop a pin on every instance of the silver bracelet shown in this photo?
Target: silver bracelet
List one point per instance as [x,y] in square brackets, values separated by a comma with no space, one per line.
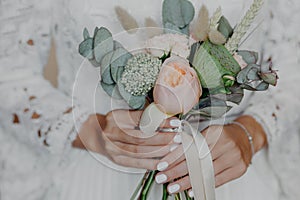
[250,138]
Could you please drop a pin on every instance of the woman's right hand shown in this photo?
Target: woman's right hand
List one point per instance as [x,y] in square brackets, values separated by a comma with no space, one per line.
[115,136]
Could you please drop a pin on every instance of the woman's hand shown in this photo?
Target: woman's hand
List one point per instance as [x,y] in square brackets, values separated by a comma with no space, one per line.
[116,137]
[230,150]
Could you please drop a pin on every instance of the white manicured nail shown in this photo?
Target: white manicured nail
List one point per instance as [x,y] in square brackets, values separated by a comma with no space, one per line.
[177,139]
[173,147]
[173,188]
[191,193]
[162,166]
[160,178]
[175,122]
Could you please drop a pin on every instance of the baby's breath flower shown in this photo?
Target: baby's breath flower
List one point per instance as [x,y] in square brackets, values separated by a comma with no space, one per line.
[140,74]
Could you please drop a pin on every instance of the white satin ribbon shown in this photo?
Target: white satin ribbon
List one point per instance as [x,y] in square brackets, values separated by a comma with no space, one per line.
[199,162]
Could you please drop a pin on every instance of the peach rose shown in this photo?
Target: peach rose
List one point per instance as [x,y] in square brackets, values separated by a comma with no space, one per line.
[177,89]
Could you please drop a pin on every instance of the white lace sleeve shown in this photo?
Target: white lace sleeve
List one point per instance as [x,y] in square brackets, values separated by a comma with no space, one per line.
[278,110]
[31,109]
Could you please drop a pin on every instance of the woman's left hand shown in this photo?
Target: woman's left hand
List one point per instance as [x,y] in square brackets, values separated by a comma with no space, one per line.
[230,150]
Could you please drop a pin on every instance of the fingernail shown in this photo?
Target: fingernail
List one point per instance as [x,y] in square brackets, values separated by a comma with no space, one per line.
[175,122]
[191,193]
[173,188]
[173,147]
[160,178]
[177,139]
[162,166]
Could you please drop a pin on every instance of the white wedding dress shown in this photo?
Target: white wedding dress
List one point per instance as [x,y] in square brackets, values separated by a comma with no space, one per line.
[37,125]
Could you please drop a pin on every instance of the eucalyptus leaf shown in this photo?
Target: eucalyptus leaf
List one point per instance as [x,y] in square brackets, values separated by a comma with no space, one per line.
[111,90]
[105,69]
[242,76]
[117,45]
[119,60]
[270,78]
[103,43]
[249,57]
[135,102]
[171,28]
[225,27]
[253,74]
[86,34]
[86,48]
[178,12]
[262,86]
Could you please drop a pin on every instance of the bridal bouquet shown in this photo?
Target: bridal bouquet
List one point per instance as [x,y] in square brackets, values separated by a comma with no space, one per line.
[194,67]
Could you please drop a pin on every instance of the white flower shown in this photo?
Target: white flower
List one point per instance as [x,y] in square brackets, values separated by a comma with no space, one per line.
[140,74]
[178,44]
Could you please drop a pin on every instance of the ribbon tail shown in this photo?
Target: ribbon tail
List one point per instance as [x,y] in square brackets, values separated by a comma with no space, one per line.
[199,162]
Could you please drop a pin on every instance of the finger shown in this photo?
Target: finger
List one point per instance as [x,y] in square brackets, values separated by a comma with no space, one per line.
[225,161]
[124,118]
[191,193]
[173,173]
[230,174]
[171,159]
[179,185]
[139,151]
[126,161]
[131,136]
[212,134]
[171,122]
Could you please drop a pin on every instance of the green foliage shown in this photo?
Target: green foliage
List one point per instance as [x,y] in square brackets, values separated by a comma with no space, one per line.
[86,34]
[249,57]
[177,15]
[225,27]
[111,90]
[135,102]
[255,79]
[212,62]
[103,43]
[86,48]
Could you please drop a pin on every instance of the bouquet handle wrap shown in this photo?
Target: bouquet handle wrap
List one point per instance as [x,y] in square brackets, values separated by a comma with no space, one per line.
[199,162]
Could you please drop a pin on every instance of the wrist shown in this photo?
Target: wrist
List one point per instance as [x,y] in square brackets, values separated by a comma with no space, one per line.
[255,130]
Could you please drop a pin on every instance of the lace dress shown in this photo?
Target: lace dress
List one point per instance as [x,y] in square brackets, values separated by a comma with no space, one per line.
[39,122]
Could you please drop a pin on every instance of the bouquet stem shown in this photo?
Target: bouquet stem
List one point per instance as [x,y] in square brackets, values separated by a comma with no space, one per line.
[165,192]
[147,185]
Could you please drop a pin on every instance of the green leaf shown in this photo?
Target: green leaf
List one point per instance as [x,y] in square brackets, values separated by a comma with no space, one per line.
[171,28]
[117,45]
[249,57]
[208,68]
[178,12]
[187,11]
[270,78]
[135,102]
[86,48]
[262,86]
[242,76]
[111,90]
[86,34]
[105,69]
[209,61]
[194,48]
[225,27]
[253,74]
[224,57]
[103,43]
[119,60]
